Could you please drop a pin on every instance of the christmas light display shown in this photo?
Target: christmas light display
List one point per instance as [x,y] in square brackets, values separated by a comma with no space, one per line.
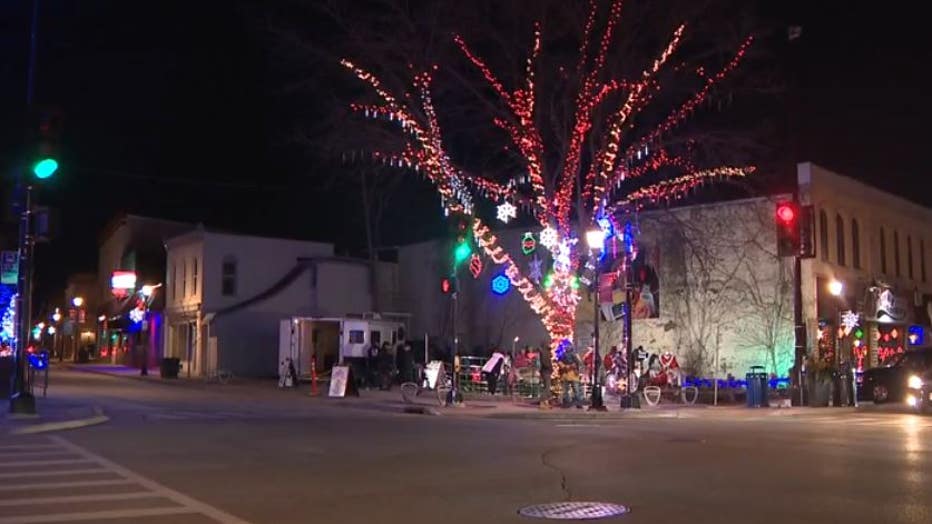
[559,189]
[475,265]
[506,212]
[8,321]
[528,244]
[500,285]
[849,321]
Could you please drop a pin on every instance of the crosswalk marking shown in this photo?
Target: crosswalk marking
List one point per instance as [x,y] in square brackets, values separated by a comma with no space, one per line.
[50,473]
[76,483]
[61,462]
[72,484]
[65,499]
[96,515]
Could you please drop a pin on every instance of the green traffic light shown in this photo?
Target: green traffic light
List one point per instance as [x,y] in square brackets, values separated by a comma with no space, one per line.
[461,253]
[45,168]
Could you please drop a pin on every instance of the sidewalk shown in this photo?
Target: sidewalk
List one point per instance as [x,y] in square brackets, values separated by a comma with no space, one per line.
[489,407]
[53,414]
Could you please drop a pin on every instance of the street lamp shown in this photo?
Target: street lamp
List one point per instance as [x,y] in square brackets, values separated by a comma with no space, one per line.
[513,344]
[835,288]
[77,301]
[596,240]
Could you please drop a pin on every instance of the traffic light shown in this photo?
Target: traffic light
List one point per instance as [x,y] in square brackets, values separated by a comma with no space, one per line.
[47,132]
[787,218]
[447,284]
[461,249]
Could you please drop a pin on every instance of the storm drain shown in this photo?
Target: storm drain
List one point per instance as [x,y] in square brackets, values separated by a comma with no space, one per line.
[573,511]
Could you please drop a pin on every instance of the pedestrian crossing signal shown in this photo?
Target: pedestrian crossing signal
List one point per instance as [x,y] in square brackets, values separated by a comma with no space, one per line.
[446,285]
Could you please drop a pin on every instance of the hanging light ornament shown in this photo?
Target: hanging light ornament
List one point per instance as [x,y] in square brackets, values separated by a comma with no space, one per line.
[548,237]
[535,270]
[475,265]
[506,211]
[528,244]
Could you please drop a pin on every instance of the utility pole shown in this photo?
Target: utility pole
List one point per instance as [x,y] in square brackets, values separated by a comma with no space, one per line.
[21,400]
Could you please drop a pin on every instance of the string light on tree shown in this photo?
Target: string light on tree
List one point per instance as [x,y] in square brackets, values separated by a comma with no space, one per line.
[607,112]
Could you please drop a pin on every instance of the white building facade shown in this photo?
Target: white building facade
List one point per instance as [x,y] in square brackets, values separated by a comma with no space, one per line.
[710,287]
[226,295]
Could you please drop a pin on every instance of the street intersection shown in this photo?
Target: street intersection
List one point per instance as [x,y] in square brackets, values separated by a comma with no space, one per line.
[262,455]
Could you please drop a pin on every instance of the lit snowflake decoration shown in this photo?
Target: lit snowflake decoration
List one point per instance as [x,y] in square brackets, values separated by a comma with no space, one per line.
[850,320]
[506,211]
[561,256]
[535,272]
[137,315]
[548,237]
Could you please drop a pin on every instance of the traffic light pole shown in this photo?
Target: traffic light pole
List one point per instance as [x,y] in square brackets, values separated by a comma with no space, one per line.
[21,400]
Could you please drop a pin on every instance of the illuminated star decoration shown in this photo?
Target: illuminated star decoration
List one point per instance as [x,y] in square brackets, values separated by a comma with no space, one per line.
[548,237]
[850,320]
[506,211]
[535,270]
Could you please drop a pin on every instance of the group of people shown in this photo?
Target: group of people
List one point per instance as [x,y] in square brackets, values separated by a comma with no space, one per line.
[384,362]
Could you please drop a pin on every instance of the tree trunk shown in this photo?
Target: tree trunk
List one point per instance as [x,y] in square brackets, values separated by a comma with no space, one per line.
[370,243]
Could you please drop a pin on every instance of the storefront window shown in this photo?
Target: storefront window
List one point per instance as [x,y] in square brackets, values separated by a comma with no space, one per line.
[890,346]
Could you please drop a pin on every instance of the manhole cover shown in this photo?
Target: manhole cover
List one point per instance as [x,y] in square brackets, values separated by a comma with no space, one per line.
[573,510]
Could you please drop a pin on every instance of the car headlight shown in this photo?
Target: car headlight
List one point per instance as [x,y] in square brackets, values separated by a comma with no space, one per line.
[914,382]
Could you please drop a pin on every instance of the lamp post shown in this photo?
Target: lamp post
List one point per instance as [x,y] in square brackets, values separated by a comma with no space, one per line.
[513,344]
[78,303]
[835,288]
[596,240]
[56,318]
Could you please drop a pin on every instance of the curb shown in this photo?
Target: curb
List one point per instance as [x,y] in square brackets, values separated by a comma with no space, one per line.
[421,410]
[47,427]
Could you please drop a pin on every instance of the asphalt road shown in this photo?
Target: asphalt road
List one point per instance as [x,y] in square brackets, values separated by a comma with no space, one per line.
[260,455]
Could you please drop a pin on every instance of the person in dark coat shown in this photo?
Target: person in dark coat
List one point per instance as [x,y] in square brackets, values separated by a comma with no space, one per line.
[386,365]
[546,370]
[406,363]
[372,366]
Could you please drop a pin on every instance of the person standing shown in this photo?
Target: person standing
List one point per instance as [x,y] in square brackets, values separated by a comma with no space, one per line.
[406,367]
[372,366]
[492,370]
[546,370]
[569,372]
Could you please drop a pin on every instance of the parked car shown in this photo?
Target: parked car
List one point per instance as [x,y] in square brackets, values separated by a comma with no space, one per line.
[919,391]
[888,383]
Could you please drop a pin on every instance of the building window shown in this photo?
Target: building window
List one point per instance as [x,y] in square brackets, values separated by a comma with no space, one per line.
[823,234]
[922,259]
[357,336]
[194,277]
[840,240]
[174,281]
[855,245]
[184,278]
[909,256]
[883,252]
[896,252]
[228,277]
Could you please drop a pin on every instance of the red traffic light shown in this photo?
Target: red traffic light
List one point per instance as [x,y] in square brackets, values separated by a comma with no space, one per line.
[446,286]
[786,213]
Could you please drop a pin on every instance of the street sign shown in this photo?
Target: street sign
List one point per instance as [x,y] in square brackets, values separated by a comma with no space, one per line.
[9,267]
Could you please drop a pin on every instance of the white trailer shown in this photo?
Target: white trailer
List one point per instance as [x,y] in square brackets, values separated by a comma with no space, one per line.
[332,340]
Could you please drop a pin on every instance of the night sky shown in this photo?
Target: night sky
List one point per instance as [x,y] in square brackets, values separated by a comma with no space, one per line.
[175,109]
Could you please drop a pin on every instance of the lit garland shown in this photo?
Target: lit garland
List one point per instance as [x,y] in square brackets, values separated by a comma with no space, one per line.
[551,201]
[669,190]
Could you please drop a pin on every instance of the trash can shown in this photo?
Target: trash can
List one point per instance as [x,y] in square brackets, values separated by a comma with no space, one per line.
[758,390]
[169,367]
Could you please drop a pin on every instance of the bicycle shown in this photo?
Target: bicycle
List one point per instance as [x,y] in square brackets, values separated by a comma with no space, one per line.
[442,386]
